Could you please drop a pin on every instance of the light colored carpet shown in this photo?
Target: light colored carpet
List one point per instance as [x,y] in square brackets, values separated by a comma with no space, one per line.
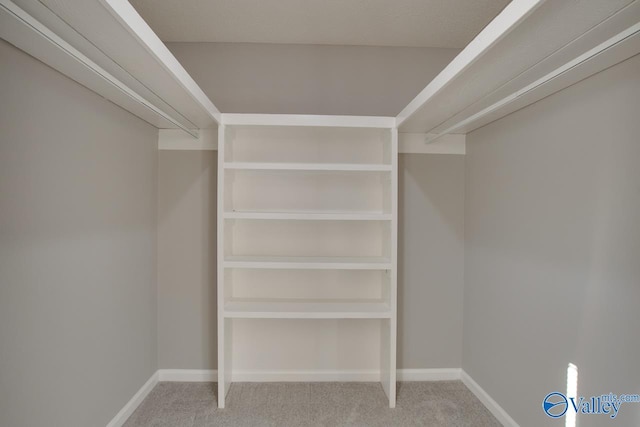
[443,403]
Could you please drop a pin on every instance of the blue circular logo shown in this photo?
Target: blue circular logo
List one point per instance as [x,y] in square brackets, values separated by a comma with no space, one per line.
[555,404]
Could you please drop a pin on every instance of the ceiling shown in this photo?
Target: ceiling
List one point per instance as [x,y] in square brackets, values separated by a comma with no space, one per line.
[416,23]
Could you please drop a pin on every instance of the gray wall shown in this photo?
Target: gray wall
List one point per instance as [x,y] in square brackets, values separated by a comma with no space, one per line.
[552,248]
[187,182]
[77,250]
[430,260]
[310,79]
[430,264]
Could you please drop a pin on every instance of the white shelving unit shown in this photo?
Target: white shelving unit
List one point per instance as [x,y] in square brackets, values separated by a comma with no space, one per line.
[307,227]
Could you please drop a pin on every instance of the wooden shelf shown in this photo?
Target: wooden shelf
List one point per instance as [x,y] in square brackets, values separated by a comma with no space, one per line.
[307,309]
[331,193]
[308,263]
[309,216]
[349,167]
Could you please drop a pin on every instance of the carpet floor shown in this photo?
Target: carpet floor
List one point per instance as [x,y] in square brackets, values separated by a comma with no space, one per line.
[442,403]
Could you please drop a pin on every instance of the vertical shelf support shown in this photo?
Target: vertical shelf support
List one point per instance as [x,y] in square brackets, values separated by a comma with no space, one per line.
[224,325]
[388,332]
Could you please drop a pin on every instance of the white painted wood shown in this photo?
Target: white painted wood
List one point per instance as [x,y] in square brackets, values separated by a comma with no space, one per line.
[408,143]
[228,360]
[553,35]
[434,374]
[323,375]
[311,197]
[391,346]
[188,375]
[625,44]
[128,409]
[506,21]
[309,167]
[417,143]
[307,120]
[133,22]
[310,309]
[484,397]
[223,340]
[307,376]
[92,44]
[30,35]
[308,263]
[310,216]
[173,139]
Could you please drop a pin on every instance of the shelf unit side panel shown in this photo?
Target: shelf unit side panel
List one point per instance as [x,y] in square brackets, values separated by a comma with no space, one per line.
[393,280]
[222,336]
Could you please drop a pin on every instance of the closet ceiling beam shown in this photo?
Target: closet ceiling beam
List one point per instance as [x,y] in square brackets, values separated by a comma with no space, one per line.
[133,22]
[107,47]
[616,49]
[501,25]
[550,46]
[25,32]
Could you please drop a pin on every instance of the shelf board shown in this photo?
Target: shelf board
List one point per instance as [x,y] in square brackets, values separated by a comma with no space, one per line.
[307,309]
[314,216]
[494,75]
[130,67]
[308,263]
[353,167]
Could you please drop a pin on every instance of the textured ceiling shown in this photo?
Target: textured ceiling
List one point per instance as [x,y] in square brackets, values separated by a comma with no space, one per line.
[419,23]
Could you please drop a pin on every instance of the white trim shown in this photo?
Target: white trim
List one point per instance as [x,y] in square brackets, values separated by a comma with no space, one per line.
[308,120]
[434,374]
[188,375]
[307,263]
[175,139]
[128,409]
[309,216]
[488,401]
[408,143]
[503,24]
[415,143]
[210,375]
[354,167]
[306,376]
[133,22]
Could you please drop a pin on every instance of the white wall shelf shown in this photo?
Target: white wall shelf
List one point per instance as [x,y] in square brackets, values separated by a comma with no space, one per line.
[296,309]
[308,263]
[309,216]
[354,167]
[307,220]
[107,47]
[532,49]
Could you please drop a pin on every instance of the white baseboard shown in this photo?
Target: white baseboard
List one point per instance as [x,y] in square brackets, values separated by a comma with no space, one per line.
[135,401]
[188,375]
[306,376]
[488,401]
[209,375]
[441,374]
